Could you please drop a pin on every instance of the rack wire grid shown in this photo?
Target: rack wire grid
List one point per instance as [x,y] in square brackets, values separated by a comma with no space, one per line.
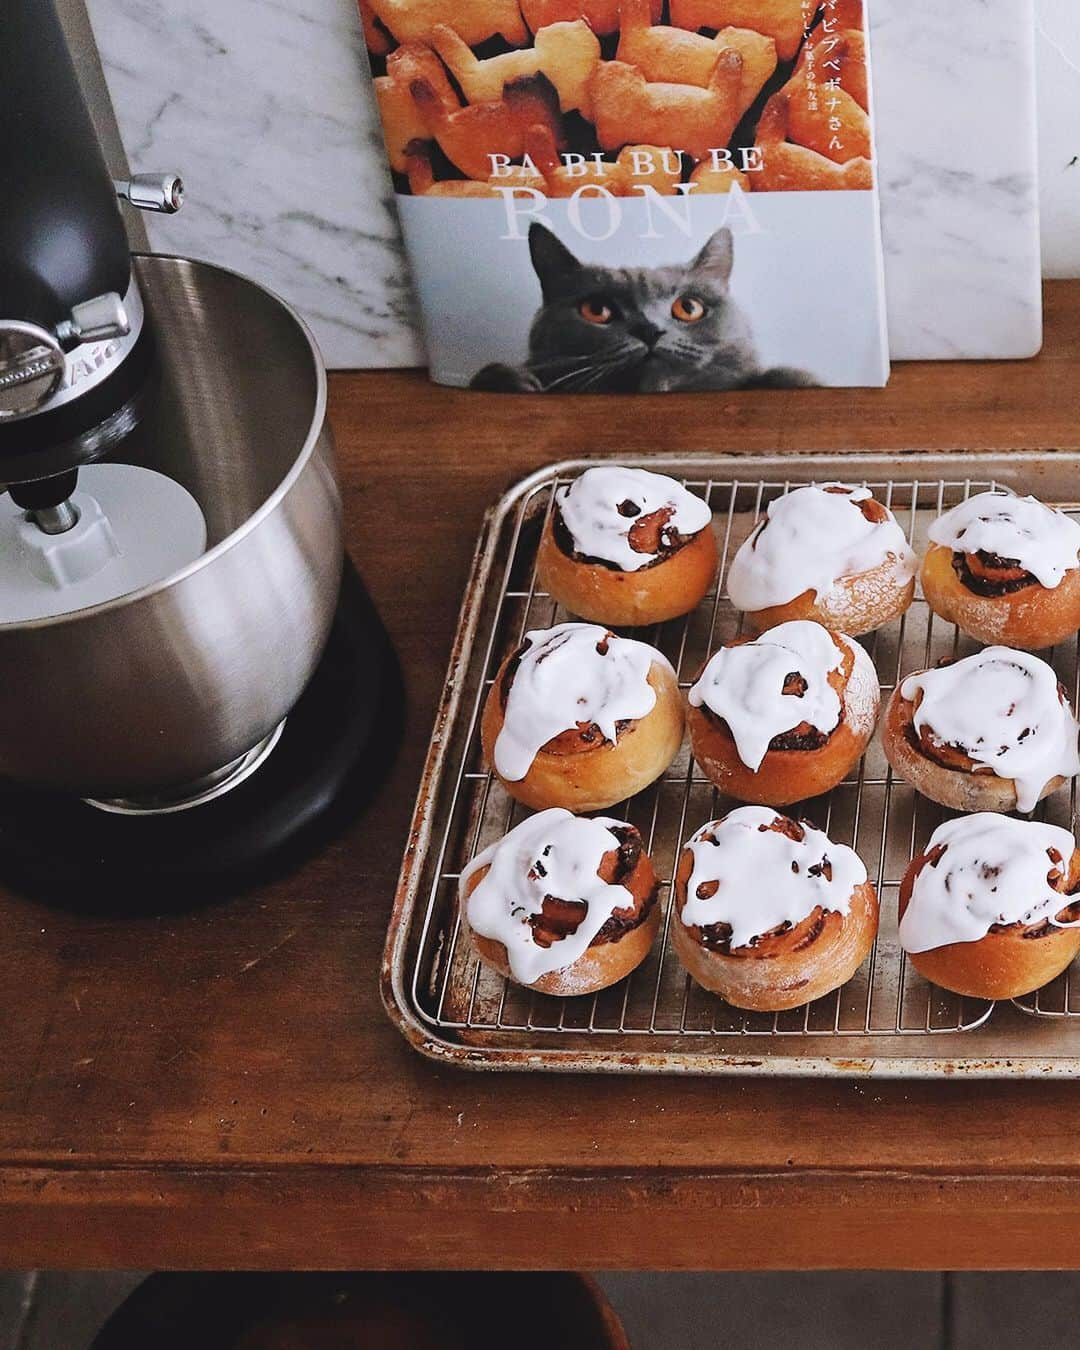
[887,1017]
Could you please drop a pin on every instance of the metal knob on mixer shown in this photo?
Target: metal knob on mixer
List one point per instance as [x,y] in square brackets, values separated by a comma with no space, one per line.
[161,192]
[95,320]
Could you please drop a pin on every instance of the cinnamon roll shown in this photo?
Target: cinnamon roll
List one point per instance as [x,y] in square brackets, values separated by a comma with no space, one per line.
[988,909]
[580,718]
[627,547]
[992,732]
[769,912]
[833,554]
[562,904]
[784,716]
[1005,569]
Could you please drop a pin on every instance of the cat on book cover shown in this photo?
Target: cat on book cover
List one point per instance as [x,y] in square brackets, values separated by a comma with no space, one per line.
[632,330]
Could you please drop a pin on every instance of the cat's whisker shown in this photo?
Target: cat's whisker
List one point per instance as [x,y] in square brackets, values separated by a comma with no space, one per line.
[594,378]
[570,377]
[582,360]
[581,380]
[597,374]
[595,367]
[556,362]
[564,373]
[581,366]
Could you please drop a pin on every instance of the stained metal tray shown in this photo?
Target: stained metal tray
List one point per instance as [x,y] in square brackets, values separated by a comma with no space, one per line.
[886,1020]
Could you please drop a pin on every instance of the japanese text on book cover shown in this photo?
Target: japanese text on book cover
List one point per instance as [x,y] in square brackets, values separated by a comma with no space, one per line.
[635,195]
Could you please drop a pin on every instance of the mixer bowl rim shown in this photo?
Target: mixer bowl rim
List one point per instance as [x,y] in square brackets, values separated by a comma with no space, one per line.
[262,511]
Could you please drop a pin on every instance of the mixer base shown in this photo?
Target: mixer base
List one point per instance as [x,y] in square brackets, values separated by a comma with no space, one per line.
[334,750]
[194,795]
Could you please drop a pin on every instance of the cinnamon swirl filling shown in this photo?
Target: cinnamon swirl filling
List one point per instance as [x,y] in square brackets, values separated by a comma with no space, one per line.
[1001,712]
[785,690]
[624,519]
[570,689]
[651,535]
[991,576]
[763,885]
[559,918]
[987,873]
[872,510]
[926,742]
[1002,543]
[716,937]
[557,885]
[574,740]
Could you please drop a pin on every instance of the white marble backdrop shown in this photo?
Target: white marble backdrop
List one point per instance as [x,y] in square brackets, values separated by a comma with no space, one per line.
[956,141]
[1057,46]
[265,106]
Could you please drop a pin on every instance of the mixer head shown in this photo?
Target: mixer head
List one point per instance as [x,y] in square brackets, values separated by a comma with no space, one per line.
[76,355]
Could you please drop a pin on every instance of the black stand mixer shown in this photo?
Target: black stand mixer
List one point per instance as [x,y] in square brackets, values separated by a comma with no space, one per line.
[196,688]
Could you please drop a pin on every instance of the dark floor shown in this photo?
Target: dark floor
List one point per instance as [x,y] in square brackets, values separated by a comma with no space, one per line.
[849,1311]
[48,1310]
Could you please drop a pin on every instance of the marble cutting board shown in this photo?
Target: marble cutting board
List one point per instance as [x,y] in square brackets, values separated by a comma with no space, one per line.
[954,95]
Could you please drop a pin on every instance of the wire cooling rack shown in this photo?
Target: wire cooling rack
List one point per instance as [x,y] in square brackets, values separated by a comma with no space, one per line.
[886,1018]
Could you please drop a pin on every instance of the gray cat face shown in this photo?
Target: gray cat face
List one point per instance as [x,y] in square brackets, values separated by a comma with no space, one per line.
[625,329]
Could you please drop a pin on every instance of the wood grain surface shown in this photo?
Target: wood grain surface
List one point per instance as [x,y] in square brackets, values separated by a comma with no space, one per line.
[223,1088]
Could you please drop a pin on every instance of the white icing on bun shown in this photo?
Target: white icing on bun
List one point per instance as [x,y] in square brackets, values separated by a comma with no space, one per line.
[1022,530]
[1003,709]
[994,870]
[756,879]
[744,685]
[811,539]
[572,674]
[600,509]
[552,853]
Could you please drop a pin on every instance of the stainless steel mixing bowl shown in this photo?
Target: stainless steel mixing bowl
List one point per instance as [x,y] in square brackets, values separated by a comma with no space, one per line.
[157,689]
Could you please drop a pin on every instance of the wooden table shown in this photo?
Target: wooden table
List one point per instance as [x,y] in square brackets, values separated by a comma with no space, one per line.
[224,1088]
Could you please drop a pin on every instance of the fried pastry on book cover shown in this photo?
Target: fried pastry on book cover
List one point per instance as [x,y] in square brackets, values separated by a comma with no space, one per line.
[635,195]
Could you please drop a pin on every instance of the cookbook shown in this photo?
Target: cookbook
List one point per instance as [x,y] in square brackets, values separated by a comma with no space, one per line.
[635,195]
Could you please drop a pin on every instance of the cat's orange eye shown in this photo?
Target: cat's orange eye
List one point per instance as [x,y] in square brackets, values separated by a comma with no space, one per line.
[688,309]
[595,311]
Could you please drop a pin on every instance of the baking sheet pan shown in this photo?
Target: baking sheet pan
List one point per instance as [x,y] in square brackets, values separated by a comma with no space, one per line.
[886,1020]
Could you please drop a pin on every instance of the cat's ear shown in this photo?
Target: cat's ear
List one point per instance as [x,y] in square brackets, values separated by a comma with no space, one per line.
[553,261]
[716,258]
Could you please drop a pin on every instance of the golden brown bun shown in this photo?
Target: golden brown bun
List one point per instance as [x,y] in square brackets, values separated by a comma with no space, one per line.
[787,776]
[855,605]
[959,788]
[1008,961]
[602,963]
[1031,619]
[593,777]
[664,590]
[782,970]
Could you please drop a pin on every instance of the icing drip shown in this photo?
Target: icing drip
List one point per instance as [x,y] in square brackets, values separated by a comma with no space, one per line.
[810,539]
[745,685]
[993,870]
[1042,541]
[755,879]
[570,675]
[600,509]
[1004,710]
[553,853]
